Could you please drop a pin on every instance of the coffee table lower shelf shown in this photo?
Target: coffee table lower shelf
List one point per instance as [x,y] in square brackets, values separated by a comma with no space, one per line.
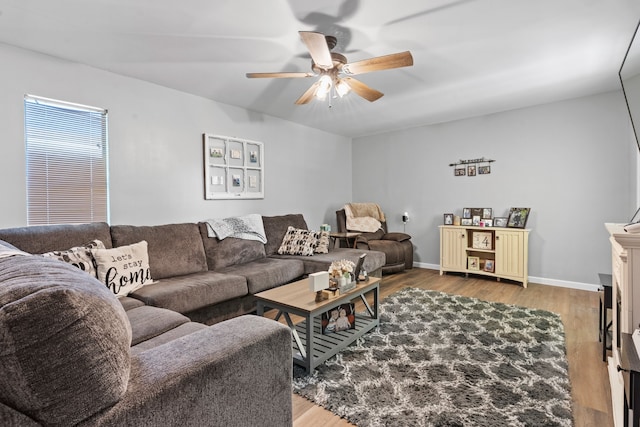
[326,346]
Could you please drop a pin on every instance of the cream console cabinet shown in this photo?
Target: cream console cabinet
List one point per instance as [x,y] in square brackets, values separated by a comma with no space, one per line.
[491,251]
[625,282]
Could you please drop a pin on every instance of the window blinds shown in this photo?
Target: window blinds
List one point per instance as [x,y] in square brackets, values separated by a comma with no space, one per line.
[67,162]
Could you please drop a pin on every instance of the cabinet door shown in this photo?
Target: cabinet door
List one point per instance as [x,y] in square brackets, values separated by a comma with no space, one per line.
[453,245]
[510,253]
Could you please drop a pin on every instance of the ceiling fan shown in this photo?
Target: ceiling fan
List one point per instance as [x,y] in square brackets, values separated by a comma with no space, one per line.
[334,70]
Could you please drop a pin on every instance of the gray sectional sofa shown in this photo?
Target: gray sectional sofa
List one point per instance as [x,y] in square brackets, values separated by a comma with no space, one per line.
[71,353]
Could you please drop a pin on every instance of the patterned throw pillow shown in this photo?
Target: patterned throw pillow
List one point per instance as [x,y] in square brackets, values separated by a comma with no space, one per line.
[124,269]
[298,242]
[79,256]
[323,242]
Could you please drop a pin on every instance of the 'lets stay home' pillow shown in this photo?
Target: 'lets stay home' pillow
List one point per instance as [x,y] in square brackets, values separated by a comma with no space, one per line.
[123,269]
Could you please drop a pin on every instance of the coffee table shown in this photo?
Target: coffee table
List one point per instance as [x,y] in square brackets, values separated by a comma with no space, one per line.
[310,346]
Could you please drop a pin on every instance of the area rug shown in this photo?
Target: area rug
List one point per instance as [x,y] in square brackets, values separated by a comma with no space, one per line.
[447,360]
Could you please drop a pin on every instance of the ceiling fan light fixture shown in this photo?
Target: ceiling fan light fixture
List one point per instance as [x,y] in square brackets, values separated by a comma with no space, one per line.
[342,88]
[335,72]
[324,86]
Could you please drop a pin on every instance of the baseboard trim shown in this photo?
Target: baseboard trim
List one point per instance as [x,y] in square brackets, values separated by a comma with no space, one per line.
[539,280]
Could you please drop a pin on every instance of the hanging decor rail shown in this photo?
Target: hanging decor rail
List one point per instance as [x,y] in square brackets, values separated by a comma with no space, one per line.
[470,167]
[471,161]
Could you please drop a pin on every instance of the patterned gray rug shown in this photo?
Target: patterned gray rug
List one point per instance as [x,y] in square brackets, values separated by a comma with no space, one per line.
[446,360]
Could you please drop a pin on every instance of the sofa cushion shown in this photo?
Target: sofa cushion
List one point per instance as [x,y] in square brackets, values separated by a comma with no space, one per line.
[129,303]
[297,241]
[193,291]
[174,249]
[170,335]
[321,262]
[39,239]
[65,341]
[149,322]
[79,256]
[275,227]
[229,251]
[123,269]
[267,273]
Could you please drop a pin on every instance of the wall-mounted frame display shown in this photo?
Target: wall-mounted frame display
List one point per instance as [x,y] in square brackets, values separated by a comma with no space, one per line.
[233,168]
[470,167]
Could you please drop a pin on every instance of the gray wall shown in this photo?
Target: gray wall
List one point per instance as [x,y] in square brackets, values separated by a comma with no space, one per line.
[155,145]
[571,162]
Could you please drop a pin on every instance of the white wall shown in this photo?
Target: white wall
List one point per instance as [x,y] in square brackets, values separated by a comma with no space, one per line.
[155,146]
[572,163]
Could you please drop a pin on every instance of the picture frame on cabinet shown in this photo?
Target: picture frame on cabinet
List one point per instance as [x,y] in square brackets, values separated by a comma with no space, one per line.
[476,212]
[500,221]
[475,220]
[487,213]
[489,266]
[466,213]
[448,219]
[482,240]
[473,263]
[466,221]
[518,217]
[486,222]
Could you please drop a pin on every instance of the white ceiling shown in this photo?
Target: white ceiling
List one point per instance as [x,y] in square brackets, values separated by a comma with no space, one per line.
[471,57]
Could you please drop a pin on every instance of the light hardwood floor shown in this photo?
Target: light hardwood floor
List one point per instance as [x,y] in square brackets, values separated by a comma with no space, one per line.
[578,309]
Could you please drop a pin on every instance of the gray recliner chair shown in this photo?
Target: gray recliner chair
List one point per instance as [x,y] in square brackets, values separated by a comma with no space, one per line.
[396,246]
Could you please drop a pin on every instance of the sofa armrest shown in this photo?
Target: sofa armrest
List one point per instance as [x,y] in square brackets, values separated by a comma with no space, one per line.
[234,373]
[398,237]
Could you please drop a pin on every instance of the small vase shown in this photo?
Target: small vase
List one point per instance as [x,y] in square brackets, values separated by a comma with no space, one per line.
[342,282]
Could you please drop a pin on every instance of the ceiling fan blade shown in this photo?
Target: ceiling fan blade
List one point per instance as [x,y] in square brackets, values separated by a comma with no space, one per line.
[362,89]
[308,95]
[317,46]
[395,60]
[283,75]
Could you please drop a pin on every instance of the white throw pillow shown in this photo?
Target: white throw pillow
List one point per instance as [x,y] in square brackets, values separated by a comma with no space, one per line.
[124,269]
[79,256]
[323,242]
[298,242]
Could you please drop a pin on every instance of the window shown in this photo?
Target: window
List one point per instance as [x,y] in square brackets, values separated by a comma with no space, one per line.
[67,162]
